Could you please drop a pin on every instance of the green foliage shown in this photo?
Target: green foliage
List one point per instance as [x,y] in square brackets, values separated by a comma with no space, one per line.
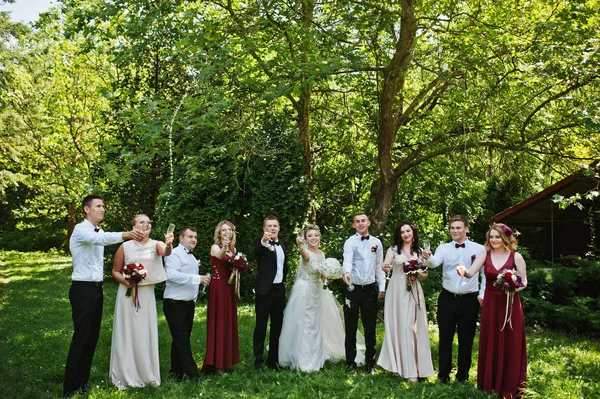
[224,177]
[564,297]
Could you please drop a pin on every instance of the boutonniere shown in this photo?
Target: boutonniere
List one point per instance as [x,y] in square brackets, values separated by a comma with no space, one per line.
[473,258]
[374,248]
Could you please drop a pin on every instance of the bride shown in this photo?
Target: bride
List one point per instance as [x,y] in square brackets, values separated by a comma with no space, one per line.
[312,329]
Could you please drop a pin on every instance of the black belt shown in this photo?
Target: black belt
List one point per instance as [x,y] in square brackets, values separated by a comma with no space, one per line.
[365,286]
[90,283]
[178,300]
[466,294]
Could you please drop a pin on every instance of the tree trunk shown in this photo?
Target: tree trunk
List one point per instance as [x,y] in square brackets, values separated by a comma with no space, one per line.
[384,188]
[71,222]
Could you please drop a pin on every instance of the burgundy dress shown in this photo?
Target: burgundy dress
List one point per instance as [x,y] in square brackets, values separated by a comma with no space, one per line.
[222,346]
[502,364]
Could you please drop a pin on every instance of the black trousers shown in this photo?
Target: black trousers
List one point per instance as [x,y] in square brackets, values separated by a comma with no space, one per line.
[269,305]
[180,317]
[364,300]
[86,300]
[456,312]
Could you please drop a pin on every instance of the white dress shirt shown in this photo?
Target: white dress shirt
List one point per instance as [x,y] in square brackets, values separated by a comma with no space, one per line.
[183,276]
[450,257]
[364,259]
[87,251]
[280,256]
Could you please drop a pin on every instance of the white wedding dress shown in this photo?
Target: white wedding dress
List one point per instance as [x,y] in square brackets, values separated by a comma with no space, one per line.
[312,331]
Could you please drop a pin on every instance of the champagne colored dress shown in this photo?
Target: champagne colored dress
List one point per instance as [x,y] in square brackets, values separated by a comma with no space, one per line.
[134,351]
[405,350]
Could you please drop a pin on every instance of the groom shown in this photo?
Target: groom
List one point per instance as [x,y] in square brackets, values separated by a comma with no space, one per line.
[270,292]
[460,299]
[362,269]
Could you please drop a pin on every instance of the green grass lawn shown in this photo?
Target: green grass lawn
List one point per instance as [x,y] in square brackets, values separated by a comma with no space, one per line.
[36,328]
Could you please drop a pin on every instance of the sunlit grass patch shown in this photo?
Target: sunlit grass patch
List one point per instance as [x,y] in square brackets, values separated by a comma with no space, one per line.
[36,329]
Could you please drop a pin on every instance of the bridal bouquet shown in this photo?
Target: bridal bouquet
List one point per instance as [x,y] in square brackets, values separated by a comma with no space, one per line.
[414,269]
[510,281]
[134,273]
[331,269]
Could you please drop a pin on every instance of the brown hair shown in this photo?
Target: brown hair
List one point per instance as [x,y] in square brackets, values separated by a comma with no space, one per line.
[270,217]
[459,218]
[359,213]
[186,228]
[88,199]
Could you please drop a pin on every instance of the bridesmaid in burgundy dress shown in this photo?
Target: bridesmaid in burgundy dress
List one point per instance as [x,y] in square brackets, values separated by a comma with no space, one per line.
[502,362]
[222,346]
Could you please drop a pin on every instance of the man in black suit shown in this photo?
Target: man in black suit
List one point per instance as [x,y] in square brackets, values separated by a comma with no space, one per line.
[270,292]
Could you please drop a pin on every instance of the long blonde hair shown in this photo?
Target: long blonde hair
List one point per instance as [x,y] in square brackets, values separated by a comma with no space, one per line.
[217,236]
[506,234]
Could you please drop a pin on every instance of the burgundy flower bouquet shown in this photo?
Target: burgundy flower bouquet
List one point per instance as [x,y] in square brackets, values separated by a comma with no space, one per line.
[510,281]
[414,269]
[238,263]
[134,273]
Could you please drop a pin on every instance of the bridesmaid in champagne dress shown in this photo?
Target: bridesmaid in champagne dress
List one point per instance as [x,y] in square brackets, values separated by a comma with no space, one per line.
[134,350]
[502,364]
[222,345]
[405,350]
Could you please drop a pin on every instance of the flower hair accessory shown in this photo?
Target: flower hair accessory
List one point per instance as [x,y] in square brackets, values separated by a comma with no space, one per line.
[506,229]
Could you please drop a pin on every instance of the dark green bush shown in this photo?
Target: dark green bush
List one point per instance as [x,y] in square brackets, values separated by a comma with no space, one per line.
[564,297]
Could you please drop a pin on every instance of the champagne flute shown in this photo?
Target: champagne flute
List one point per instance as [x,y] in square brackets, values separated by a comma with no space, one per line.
[204,286]
[387,274]
[426,245]
[463,279]
[171,228]
[146,227]
[350,285]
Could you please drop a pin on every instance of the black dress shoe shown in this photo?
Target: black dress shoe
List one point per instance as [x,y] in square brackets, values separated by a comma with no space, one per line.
[86,388]
[442,380]
[370,370]
[274,366]
[351,368]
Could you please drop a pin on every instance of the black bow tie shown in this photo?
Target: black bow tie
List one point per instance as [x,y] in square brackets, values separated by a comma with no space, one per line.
[96,229]
[459,245]
[188,252]
[274,242]
[364,237]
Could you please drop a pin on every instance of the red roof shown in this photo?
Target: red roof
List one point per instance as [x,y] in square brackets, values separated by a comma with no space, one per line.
[544,194]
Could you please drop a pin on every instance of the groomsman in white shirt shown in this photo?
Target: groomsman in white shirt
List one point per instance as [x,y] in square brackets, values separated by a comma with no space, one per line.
[86,296]
[460,299]
[365,284]
[181,292]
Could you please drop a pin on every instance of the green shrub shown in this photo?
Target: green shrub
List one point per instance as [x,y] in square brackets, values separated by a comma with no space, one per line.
[564,297]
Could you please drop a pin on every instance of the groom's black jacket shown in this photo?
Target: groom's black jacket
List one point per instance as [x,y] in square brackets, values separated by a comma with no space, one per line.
[267,266]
